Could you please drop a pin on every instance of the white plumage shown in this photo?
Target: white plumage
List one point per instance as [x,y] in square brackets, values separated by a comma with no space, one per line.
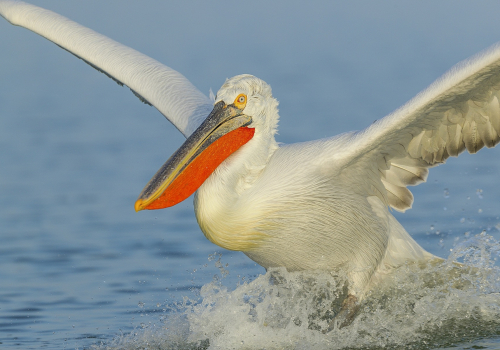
[316,205]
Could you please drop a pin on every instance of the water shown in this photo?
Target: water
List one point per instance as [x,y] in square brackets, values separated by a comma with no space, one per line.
[79,268]
[419,307]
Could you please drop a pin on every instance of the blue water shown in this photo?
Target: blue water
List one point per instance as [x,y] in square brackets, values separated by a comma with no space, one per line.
[79,268]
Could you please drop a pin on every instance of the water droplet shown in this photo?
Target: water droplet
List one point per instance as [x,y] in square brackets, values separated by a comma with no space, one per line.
[480,211]
[446,193]
[479,193]
[140,304]
[462,220]
[432,227]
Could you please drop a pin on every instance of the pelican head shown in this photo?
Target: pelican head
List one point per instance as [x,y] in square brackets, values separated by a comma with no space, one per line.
[244,108]
[261,105]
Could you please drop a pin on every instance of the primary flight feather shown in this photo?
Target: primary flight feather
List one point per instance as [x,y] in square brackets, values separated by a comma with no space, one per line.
[321,204]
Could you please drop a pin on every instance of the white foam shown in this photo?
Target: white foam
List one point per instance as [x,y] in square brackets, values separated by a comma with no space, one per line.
[435,305]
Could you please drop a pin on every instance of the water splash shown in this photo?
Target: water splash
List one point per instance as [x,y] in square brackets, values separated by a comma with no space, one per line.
[419,307]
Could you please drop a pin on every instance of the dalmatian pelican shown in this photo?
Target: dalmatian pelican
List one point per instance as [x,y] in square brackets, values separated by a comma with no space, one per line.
[322,204]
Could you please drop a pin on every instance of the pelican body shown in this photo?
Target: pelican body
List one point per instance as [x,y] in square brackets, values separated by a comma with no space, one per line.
[321,204]
[298,206]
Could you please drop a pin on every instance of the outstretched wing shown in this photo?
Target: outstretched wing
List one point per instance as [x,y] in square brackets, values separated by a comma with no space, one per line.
[154,83]
[459,111]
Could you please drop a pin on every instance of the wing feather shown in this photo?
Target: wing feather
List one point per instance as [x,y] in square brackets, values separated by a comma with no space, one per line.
[460,111]
[154,83]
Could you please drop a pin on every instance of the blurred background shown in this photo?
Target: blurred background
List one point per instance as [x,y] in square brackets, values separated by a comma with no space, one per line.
[78,265]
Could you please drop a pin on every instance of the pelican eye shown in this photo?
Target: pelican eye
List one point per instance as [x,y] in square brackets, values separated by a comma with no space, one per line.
[240,101]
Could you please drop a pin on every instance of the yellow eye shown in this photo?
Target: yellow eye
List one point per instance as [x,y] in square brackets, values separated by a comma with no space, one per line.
[240,101]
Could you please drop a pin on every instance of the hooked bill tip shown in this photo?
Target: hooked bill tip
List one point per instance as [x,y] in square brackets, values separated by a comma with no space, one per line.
[138,205]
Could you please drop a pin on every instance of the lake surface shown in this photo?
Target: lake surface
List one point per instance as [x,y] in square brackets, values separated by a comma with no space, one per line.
[80,269]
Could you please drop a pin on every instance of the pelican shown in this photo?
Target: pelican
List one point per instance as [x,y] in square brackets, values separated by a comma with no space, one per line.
[318,205]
